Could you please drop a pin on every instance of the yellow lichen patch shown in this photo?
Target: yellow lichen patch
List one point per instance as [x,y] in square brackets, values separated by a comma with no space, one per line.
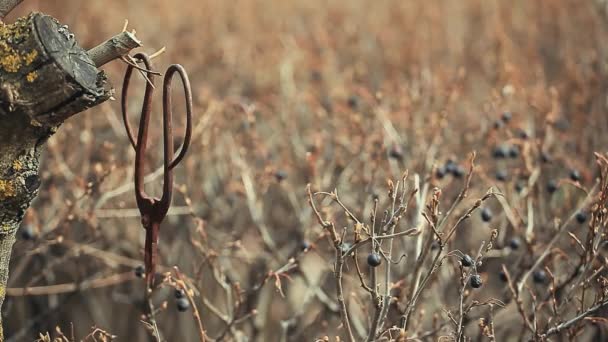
[2,291]
[31,77]
[7,189]
[17,165]
[11,60]
[30,57]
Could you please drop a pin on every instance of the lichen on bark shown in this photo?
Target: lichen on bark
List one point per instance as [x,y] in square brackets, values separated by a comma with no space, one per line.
[41,86]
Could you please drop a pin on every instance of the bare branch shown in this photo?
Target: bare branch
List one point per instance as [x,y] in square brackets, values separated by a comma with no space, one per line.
[113,48]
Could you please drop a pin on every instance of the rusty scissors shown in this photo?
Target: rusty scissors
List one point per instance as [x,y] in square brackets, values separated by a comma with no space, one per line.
[153,210]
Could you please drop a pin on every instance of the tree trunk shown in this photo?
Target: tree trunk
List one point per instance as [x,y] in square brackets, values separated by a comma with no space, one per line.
[45,78]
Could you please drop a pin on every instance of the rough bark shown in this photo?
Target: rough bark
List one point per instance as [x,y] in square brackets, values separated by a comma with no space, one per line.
[45,78]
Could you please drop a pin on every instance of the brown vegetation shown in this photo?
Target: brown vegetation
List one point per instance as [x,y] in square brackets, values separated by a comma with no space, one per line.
[321,132]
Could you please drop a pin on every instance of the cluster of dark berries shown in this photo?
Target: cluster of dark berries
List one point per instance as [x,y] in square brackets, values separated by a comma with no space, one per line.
[505,117]
[504,151]
[450,167]
[182,303]
[475,280]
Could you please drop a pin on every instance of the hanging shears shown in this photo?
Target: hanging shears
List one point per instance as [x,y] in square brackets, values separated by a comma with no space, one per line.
[153,209]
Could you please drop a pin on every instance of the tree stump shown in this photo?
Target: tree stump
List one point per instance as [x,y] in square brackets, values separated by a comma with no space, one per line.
[45,78]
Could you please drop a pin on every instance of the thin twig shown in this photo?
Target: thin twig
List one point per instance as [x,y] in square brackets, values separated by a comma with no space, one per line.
[575,320]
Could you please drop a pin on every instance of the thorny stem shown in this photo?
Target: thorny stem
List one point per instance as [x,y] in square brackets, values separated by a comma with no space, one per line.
[462,195]
[560,232]
[419,284]
[412,304]
[152,315]
[338,265]
[518,300]
[396,215]
[375,296]
[459,333]
[340,292]
[409,232]
[195,312]
[575,320]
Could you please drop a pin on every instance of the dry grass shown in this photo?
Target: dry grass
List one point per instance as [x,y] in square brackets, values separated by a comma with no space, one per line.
[343,95]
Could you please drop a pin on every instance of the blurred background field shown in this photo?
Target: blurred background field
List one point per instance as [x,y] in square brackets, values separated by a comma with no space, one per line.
[340,94]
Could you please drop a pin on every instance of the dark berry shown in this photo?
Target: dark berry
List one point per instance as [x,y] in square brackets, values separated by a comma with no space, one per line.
[440,172]
[434,245]
[476,281]
[515,243]
[316,76]
[458,171]
[280,175]
[450,166]
[396,152]
[575,175]
[502,276]
[501,175]
[539,276]
[551,186]
[523,134]
[514,151]
[562,124]
[374,260]
[182,304]
[519,186]
[140,271]
[506,116]
[27,232]
[498,124]
[486,214]
[179,293]
[500,151]
[467,261]
[581,217]
[353,102]
[305,245]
